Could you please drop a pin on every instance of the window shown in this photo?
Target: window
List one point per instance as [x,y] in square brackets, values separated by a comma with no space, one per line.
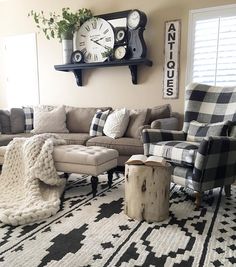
[19,70]
[212,46]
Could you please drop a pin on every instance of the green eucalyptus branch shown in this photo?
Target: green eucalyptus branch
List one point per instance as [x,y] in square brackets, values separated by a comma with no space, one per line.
[60,26]
[108,53]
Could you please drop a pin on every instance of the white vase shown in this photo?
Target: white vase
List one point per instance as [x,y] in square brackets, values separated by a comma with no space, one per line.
[67,49]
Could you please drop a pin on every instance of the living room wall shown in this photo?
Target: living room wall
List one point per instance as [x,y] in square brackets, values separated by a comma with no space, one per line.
[108,86]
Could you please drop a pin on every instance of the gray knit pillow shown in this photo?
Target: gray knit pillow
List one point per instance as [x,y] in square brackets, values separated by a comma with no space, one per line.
[49,121]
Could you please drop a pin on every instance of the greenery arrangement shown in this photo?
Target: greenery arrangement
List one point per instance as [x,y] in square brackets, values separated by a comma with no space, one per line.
[108,53]
[61,26]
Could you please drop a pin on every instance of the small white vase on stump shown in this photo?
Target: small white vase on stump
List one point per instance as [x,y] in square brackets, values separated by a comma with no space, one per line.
[67,47]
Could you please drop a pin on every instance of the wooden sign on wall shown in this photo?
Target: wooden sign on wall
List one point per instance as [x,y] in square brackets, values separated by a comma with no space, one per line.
[171,67]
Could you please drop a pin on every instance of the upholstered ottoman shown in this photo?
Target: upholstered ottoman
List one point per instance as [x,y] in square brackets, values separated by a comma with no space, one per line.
[92,160]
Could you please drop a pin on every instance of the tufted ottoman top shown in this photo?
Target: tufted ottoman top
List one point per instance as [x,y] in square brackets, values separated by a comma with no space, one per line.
[92,155]
[91,160]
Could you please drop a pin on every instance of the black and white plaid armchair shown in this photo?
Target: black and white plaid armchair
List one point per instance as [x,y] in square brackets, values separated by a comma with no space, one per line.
[203,154]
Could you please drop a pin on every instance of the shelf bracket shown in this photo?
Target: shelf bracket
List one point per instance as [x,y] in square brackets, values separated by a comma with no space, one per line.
[134,73]
[78,76]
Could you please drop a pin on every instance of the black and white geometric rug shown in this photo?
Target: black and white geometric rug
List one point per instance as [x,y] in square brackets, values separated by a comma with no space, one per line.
[96,232]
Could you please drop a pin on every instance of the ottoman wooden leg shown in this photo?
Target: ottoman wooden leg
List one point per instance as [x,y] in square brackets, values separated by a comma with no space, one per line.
[228,190]
[198,200]
[94,182]
[110,176]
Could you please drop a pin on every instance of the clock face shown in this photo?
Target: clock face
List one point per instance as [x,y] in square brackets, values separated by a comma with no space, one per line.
[120,52]
[120,35]
[77,57]
[93,38]
[133,19]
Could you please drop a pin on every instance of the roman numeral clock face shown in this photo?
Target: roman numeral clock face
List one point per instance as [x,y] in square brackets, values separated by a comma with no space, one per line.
[93,38]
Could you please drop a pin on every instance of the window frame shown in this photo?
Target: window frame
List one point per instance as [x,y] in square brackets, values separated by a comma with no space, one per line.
[203,13]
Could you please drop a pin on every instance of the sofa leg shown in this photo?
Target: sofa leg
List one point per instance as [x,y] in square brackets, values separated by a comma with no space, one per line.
[227,190]
[198,200]
[110,176]
[94,182]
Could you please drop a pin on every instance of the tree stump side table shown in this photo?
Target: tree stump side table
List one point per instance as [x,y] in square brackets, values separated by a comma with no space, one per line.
[147,192]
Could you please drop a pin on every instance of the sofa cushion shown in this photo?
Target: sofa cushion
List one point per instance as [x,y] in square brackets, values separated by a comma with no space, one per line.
[116,123]
[158,112]
[17,118]
[75,138]
[78,120]
[125,145]
[5,139]
[5,121]
[197,131]
[53,121]
[98,122]
[179,152]
[137,119]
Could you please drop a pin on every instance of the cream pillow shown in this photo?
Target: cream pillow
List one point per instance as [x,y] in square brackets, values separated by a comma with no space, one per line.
[49,121]
[116,123]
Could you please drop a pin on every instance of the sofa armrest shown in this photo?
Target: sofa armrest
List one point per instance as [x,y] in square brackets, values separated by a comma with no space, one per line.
[166,124]
[154,135]
[215,163]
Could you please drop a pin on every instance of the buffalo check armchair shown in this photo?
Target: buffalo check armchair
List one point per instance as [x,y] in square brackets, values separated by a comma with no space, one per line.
[202,159]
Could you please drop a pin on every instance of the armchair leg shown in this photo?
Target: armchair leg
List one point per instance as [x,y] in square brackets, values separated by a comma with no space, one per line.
[227,190]
[198,199]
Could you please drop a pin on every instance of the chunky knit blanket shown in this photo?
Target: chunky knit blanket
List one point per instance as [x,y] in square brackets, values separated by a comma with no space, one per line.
[30,187]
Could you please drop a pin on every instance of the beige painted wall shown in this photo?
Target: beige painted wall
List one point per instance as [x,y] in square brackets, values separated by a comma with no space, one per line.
[109,86]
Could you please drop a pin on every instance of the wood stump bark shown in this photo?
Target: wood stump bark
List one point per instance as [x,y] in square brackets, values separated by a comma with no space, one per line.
[147,192]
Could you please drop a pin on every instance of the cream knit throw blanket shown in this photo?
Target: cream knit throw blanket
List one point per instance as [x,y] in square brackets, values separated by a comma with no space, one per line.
[30,187]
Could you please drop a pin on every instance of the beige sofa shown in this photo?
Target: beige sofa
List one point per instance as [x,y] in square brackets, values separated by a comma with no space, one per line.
[78,122]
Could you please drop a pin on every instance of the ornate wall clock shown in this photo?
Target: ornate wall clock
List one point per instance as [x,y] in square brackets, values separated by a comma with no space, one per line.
[93,38]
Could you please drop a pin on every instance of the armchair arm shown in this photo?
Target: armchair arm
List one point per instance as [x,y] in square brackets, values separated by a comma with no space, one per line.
[215,163]
[154,135]
[166,123]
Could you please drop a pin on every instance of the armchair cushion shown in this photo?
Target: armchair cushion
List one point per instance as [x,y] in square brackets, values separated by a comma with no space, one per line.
[177,152]
[150,136]
[197,131]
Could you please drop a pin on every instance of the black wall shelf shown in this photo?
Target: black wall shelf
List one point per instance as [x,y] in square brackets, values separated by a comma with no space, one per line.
[77,68]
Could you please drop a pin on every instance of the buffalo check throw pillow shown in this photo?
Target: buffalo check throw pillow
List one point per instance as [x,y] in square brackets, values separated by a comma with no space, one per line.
[98,122]
[29,118]
[197,131]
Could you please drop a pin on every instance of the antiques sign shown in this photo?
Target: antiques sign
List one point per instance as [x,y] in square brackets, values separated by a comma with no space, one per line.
[171,67]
